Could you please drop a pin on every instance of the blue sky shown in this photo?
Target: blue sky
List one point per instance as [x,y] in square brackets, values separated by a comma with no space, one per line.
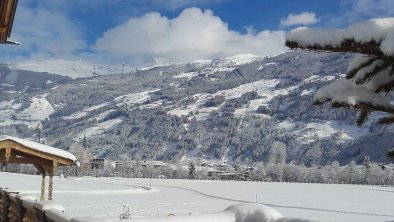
[135,31]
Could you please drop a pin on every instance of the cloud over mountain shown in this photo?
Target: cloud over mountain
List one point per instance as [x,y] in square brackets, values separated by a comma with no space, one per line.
[194,34]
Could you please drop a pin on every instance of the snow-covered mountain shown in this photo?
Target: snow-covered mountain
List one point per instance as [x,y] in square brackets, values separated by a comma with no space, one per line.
[237,60]
[157,62]
[74,69]
[83,69]
[231,109]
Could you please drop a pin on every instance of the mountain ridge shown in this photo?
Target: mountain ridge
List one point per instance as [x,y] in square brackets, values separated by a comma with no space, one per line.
[208,110]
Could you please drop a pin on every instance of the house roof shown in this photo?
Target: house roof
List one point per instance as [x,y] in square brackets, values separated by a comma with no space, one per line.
[7,14]
[29,148]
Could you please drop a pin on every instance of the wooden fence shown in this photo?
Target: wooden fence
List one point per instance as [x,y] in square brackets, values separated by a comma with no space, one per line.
[17,207]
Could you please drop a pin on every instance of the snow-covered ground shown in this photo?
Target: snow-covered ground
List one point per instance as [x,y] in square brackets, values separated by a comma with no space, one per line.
[156,198]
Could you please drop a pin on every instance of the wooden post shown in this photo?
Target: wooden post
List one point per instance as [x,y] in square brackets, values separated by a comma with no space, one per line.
[20,210]
[12,211]
[2,205]
[52,171]
[40,215]
[5,206]
[50,187]
[42,196]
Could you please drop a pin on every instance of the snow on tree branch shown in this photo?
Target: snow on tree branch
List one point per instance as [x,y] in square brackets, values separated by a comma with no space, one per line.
[370,73]
[347,92]
[373,37]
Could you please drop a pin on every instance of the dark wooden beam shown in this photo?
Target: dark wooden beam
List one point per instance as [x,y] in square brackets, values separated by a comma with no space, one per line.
[23,160]
[7,14]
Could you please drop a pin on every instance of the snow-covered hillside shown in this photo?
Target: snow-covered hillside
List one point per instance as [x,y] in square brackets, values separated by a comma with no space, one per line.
[264,88]
[233,110]
[236,60]
[157,62]
[188,200]
[74,69]
[232,61]
[39,109]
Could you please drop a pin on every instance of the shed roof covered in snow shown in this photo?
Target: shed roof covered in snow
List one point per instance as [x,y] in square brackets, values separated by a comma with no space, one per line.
[45,158]
[372,37]
[36,149]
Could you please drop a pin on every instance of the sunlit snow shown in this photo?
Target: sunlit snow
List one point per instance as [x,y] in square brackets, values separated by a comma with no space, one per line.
[188,200]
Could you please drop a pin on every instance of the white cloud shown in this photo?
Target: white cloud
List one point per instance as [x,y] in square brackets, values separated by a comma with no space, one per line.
[373,8]
[305,18]
[194,34]
[361,10]
[150,4]
[176,4]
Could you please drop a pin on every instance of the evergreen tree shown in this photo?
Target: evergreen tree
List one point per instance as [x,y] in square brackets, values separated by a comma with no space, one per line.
[367,162]
[84,143]
[370,75]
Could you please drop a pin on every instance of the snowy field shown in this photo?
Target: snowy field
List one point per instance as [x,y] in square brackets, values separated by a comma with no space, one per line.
[157,198]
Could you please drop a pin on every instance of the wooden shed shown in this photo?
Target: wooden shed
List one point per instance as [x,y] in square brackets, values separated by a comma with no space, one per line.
[45,158]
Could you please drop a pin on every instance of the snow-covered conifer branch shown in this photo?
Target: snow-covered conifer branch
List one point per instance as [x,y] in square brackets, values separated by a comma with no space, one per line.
[368,74]
[390,153]
[362,117]
[352,73]
[347,45]
[386,120]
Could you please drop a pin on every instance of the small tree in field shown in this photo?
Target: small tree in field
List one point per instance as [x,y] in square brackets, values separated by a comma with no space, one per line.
[191,169]
[370,75]
[278,153]
[39,132]
[276,161]
[84,157]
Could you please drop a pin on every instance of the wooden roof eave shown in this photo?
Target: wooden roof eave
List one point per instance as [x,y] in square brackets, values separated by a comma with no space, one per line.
[31,153]
[7,14]
[11,22]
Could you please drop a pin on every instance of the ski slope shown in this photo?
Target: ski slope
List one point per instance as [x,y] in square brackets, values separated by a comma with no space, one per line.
[157,198]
